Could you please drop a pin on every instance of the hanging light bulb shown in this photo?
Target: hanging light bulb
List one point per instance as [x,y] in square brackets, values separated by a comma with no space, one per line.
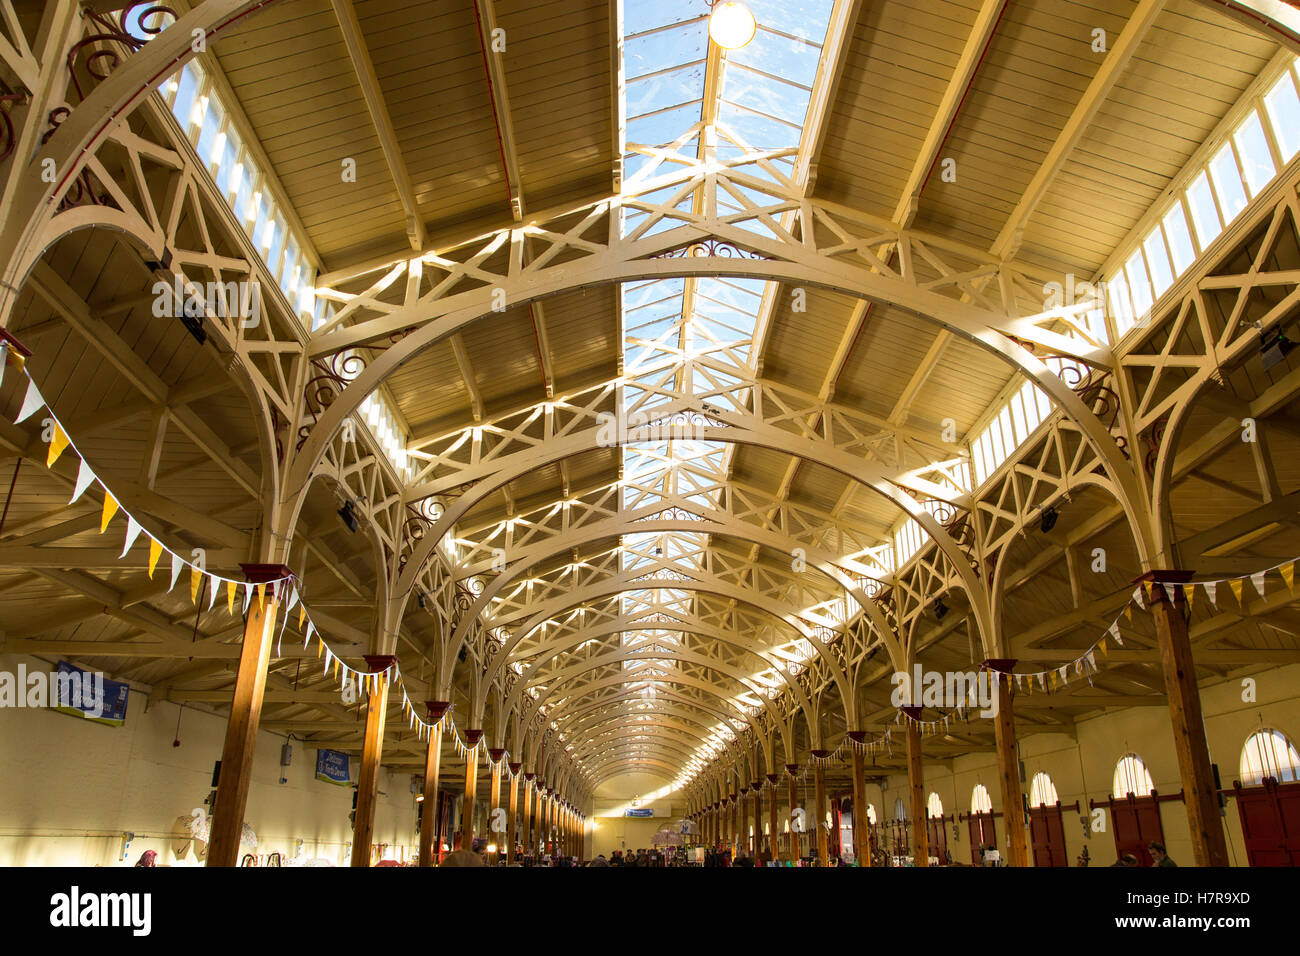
[731,25]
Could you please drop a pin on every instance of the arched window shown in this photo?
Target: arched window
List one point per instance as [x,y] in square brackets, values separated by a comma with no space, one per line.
[934,807]
[979,800]
[1042,792]
[900,812]
[1269,753]
[871,813]
[1132,776]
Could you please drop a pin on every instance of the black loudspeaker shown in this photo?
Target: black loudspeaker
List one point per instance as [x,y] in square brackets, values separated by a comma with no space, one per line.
[1218,791]
[216,772]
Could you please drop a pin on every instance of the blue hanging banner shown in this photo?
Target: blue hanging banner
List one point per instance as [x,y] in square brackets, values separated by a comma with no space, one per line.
[333,767]
[90,695]
[639,812]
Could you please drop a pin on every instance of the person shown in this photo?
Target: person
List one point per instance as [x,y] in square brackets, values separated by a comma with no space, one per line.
[743,859]
[1158,855]
[1128,859]
[462,858]
[1083,859]
[600,860]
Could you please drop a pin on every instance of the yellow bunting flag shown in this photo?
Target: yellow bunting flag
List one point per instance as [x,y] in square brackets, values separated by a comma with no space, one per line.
[1128,611]
[1189,592]
[230,597]
[257,591]
[195,577]
[58,442]
[1236,585]
[110,509]
[1288,575]
[302,613]
[155,552]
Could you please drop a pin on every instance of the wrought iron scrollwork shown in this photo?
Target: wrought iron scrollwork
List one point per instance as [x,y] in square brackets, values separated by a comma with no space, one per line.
[97,54]
[711,248]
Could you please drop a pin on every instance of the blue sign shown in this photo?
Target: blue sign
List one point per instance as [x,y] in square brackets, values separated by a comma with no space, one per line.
[639,812]
[333,767]
[90,695]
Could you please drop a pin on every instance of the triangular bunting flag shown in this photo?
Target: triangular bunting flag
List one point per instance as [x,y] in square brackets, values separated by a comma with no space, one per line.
[155,552]
[84,477]
[1237,588]
[110,509]
[1171,592]
[230,597]
[1137,596]
[133,530]
[1257,579]
[1128,611]
[1288,575]
[31,402]
[177,564]
[248,596]
[1114,632]
[1189,592]
[1092,659]
[195,577]
[293,598]
[1211,589]
[302,612]
[1101,646]
[58,442]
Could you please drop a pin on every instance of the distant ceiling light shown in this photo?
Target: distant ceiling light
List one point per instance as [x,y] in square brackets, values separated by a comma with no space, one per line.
[940,609]
[1048,520]
[1274,349]
[349,516]
[731,25]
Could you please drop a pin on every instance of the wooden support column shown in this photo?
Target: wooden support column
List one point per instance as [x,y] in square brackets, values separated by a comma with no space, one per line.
[916,790]
[429,848]
[742,811]
[512,814]
[1004,735]
[245,715]
[494,801]
[819,781]
[528,814]
[772,832]
[472,737]
[372,749]
[861,833]
[756,788]
[795,849]
[1200,797]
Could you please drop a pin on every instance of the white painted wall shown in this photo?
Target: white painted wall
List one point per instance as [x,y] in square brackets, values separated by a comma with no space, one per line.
[1085,770]
[70,787]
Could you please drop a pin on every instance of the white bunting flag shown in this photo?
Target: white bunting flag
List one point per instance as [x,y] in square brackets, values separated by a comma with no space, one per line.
[1257,579]
[248,595]
[1170,592]
[132,532]
[1114,632]
[4,360]
[213,582]
[1042,680]
[1092,659]
[177,564]
[84,477]
[293,598]
[1137,596]
[1211,588]
[31,402]
[311,629]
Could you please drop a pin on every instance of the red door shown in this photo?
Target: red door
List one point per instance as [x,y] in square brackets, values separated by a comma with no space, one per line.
[938,839]
[1270,822]
[1135,822]
[1047,836]
[982,834]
